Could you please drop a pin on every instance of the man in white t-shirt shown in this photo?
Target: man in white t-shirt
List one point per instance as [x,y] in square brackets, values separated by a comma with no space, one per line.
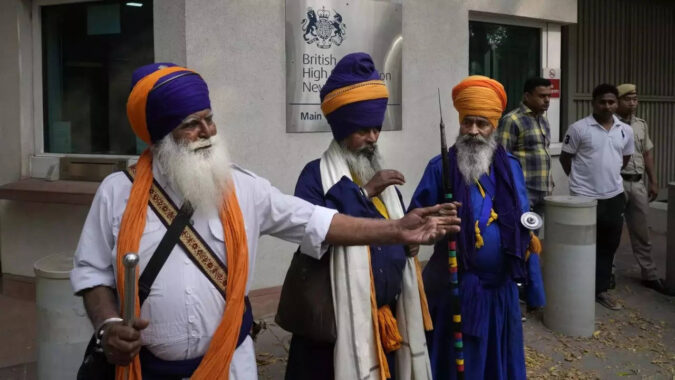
[594,151]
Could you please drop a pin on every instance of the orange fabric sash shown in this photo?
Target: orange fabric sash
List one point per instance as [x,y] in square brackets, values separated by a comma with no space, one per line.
[216,362]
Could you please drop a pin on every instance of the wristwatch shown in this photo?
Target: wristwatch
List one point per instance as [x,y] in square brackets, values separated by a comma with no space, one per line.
[364,192]
[98,334]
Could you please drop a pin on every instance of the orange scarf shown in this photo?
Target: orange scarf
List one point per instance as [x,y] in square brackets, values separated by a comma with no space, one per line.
[216,362]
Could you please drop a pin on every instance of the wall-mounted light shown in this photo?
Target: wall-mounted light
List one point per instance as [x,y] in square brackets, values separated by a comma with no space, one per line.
[134,4]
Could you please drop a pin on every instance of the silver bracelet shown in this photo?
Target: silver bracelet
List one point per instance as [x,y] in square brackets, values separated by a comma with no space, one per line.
[364,192]
[98,333]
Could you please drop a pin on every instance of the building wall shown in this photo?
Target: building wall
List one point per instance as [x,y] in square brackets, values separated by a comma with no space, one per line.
[10,77]
[244,63]
[31,230]
[623,41]
[239,48]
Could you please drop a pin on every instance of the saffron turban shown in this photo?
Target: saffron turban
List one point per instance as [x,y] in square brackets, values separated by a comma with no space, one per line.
[162,96]
[479,96]
[626,88]
[354,97]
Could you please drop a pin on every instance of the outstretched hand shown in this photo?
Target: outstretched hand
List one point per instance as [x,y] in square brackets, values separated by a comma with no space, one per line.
[429,224]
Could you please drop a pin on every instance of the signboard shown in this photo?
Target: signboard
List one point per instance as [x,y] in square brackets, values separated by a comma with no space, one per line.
[554,76]
[319,33]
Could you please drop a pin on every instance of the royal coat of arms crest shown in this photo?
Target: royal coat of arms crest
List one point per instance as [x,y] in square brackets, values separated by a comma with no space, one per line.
[319,27]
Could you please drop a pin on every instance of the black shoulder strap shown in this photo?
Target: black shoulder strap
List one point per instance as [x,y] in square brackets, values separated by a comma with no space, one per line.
[163,250]
[185,236]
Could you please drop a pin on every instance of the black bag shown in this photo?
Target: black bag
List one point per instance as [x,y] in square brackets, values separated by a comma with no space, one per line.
[306,302]
[95,365]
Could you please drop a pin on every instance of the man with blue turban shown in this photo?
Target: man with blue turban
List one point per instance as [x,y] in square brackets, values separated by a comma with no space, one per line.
[494,250]
[378,298]
[193,318]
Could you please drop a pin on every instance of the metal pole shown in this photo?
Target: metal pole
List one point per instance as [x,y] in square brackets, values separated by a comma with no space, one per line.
[130,262]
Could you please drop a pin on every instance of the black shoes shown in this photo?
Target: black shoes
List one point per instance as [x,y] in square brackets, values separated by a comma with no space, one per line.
[659,286]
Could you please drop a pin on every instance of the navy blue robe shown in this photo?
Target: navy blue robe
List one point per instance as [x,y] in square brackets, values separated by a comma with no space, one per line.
[492,327]
[314,360]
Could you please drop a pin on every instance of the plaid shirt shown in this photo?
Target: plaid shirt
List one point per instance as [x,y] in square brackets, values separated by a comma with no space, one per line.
[528,137]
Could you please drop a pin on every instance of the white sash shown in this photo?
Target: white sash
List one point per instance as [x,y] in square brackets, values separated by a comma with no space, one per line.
[355,355]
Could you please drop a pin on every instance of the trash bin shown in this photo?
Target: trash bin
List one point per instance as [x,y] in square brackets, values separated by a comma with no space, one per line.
[63,328]
[569,264]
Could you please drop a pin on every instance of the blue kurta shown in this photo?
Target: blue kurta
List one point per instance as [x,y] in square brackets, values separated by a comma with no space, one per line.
[314,360]
[492,327]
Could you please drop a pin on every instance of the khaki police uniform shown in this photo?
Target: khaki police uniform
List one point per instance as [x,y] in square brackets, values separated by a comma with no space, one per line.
[637,199]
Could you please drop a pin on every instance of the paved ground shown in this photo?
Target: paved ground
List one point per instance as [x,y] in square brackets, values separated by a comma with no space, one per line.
[635,343]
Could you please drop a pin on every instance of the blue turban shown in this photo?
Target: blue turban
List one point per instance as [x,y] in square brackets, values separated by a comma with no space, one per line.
[354,97]
[162,96]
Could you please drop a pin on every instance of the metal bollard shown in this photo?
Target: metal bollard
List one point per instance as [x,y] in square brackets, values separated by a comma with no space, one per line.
[670,244]
[569,264]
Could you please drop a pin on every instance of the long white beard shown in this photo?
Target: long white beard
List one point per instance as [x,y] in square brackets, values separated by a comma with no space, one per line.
[201,176]
[362,163]
[474,155]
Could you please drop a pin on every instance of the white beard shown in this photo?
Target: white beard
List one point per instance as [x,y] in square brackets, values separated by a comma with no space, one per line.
[362,163]
[474,156]
[201,176]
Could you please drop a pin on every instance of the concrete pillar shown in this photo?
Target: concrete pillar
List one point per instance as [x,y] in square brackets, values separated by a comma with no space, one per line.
[569,264]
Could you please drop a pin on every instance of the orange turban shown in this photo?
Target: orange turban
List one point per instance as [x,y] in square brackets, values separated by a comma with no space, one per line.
[479,96]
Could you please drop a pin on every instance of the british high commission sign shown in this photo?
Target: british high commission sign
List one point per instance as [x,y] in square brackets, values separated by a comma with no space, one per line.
[319,33]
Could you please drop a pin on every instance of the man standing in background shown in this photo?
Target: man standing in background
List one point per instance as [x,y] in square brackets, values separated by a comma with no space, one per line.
[637,195]
[594,151]
[525,133]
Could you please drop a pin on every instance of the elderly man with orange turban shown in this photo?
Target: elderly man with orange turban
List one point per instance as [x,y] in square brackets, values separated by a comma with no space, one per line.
[493,248]
[194,220]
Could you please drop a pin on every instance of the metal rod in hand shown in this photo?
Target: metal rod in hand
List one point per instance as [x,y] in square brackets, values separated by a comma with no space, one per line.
[453,267]
[130,262]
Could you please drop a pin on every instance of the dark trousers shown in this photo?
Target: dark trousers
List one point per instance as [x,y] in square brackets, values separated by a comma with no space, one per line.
[609,225]
[311,360]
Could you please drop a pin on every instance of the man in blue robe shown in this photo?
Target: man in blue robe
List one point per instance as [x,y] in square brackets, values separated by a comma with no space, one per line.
[354,101]
[492,252]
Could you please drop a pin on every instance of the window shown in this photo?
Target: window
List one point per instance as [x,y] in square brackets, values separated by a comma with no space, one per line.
[508,53]
[89,51]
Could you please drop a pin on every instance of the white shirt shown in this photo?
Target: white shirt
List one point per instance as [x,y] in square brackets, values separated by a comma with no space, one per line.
[598,157]
[183,307]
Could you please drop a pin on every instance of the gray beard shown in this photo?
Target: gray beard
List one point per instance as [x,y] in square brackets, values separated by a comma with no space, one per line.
[363,164]
[474,156]
[201,176]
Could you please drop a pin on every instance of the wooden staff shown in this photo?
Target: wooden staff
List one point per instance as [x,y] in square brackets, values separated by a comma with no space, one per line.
[452,258]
